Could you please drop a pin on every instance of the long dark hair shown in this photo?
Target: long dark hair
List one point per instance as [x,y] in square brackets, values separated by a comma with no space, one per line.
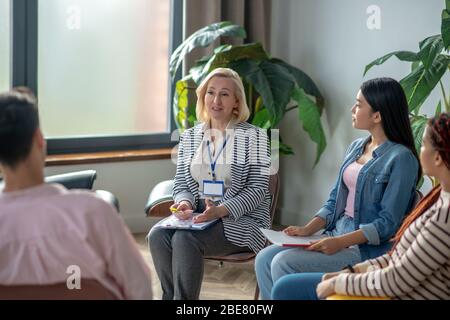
[386,96]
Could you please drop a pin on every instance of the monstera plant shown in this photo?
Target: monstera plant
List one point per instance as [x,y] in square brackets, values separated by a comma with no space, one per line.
[428,67]
[273,87]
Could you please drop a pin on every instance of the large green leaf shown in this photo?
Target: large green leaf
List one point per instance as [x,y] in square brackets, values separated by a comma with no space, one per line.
[303,81]
[203,38]
[262,119]
[419,83]
[429,49]
[183,113]
[253,51]
[438,110]
[445,25]
[273,82]
[401,55]
[418,125]
[310,117]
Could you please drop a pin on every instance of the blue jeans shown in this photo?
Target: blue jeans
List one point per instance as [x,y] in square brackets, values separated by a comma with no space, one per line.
[274,261]
[300,286]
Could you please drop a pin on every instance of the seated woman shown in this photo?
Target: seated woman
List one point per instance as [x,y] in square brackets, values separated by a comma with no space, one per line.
[374,190]
[418,266]
[222,151]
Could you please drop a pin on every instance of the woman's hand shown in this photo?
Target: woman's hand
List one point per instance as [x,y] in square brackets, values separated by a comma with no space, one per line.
[331,275]
[297,231]
[183,210]
[211,212]
[326,288]
[328,245]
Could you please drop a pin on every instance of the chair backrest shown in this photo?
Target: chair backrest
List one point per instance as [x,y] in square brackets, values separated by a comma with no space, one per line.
[160,199]
[274,189]
[90,290]
[75,180]
[417,197]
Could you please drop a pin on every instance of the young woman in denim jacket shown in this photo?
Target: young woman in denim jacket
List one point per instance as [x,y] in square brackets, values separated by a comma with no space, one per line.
[374,190]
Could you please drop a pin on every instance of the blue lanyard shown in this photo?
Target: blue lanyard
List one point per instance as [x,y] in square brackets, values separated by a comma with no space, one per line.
[213,163]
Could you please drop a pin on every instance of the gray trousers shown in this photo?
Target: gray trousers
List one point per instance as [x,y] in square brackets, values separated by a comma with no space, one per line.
[178,258]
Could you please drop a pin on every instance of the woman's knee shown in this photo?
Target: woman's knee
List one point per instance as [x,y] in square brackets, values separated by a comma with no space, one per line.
[265,256]
[283,260]
[300,286]
[157,237]
[283,287]
[185,240]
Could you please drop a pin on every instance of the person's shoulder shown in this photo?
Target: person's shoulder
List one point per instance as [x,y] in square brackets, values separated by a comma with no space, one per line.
[246,126]
[355,144]
[193,130]
[88,201]
[400,150]
[358,142]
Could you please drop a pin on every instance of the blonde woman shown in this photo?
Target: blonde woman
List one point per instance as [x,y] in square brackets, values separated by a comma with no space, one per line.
[222,172]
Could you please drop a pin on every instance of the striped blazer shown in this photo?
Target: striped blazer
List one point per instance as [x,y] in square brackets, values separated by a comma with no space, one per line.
[248,199]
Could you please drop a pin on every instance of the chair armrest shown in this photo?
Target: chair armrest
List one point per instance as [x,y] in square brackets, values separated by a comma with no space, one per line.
[109,197]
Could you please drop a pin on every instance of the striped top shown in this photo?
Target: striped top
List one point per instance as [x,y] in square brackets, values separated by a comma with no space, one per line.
[248,199]
[419,267]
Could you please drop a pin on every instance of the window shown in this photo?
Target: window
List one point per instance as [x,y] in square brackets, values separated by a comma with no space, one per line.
[100,70]
[5,32]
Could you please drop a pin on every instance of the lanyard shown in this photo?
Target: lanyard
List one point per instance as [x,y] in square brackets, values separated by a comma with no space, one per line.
[213,163]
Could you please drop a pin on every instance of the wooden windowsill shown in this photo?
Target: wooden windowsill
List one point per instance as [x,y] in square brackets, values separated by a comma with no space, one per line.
[110,156]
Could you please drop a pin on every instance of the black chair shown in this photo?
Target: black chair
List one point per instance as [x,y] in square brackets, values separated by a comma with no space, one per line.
[74,180]
[81,180]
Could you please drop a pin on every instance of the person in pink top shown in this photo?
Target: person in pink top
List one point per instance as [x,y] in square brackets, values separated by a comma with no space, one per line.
[48,233]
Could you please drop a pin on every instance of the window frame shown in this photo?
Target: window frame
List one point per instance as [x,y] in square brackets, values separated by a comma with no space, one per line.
[24,68]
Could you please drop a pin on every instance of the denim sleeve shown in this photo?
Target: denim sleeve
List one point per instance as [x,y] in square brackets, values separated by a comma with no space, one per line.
[395,202]
[326,212]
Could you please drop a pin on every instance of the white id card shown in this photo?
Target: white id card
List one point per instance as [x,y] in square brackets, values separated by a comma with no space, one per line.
[213,188]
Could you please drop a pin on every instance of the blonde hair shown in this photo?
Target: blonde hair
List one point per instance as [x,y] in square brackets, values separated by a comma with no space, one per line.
[239,92]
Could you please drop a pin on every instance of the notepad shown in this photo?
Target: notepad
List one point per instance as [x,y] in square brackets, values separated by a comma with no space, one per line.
[172,222]
[282,239]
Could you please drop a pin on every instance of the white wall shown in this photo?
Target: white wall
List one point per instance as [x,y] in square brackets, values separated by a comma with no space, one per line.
[330,41]
[131,182]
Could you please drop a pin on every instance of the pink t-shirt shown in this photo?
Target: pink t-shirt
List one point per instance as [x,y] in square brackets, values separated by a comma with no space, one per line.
[47,228]
[350,177]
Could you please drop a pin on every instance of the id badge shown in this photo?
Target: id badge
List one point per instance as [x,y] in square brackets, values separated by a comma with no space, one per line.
[213,188]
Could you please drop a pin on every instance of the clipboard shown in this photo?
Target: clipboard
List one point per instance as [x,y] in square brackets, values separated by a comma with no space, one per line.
[280,238]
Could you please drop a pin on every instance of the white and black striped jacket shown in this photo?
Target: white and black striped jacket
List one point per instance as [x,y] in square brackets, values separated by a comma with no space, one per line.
[248,199]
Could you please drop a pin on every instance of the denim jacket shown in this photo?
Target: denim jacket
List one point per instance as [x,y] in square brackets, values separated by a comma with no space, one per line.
[384,193]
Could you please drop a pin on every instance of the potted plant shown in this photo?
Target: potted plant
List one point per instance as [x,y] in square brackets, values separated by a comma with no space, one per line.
[428,67]
[273,87]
